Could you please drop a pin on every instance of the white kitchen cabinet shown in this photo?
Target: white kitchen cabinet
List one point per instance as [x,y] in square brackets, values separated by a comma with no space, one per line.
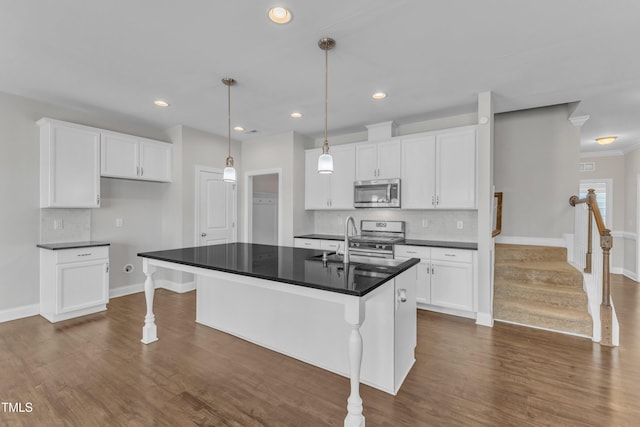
[69,165]
[131,157]
[439,170]
[73,282]
[445,280]
[378,160]
[330,191]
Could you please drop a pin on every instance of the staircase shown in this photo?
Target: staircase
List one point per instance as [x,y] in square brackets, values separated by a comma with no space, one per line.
[535,286]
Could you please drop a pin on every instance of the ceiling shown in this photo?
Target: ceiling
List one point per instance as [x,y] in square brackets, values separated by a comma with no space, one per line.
[432,58]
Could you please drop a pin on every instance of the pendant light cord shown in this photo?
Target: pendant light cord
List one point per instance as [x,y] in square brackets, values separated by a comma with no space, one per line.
[326,91]
[229,118]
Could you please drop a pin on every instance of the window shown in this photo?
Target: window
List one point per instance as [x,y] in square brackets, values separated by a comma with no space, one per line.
[603,193]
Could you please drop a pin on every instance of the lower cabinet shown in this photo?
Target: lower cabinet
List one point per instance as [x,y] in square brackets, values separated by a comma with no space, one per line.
[445,278]
[73,282]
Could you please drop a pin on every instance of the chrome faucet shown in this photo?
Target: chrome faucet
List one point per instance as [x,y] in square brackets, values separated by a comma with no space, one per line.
[346,236]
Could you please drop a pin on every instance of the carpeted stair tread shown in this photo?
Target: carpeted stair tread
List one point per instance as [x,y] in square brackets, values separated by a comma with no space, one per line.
[553,272]
[554,318]
[506,253]
[571,297]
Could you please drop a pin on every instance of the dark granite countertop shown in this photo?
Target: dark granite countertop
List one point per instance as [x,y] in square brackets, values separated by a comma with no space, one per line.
[320,236]
[285,264]
[71,245]
[440,244]
[411,242]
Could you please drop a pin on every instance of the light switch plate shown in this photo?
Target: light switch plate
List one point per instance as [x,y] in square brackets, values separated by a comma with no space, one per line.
[460,225]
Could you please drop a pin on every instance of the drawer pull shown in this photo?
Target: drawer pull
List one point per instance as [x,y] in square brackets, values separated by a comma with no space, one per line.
[85,254]
[450,255]
[411,252]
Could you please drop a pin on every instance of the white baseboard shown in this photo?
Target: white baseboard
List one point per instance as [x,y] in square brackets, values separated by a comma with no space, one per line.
[126,290]
[176,287]
[19,312]
[161,283]
[533,241]
[630,274]
[484,319]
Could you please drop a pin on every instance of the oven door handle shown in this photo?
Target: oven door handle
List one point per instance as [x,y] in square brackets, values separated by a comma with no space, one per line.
[371,254]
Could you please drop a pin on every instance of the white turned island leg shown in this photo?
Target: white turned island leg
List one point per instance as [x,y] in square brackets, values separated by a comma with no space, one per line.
[354,315]
[149,330]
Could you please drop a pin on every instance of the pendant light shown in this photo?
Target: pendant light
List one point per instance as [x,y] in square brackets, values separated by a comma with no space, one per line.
[229,174]
[325,161]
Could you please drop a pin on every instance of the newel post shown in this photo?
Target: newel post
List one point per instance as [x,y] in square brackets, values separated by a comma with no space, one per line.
[606,313]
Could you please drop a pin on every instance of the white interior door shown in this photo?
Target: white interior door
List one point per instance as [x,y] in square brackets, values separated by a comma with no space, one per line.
[216,209]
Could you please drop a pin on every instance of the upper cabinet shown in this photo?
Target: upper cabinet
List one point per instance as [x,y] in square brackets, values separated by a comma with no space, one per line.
[69,165]
[330,191]
[378,160]
[130,157]
[439,170]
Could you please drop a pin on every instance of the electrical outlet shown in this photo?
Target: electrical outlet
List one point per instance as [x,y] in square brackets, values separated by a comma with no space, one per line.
[425,222]
[460,225]
[58,224]
[119,222]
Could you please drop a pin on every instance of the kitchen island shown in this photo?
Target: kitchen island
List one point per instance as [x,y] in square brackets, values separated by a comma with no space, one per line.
[352,319]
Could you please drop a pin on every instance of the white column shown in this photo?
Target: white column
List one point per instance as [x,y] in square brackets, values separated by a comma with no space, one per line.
[354,315]
[149,330]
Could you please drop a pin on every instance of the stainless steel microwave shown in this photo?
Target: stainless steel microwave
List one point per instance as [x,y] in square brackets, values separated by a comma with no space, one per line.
[377,193]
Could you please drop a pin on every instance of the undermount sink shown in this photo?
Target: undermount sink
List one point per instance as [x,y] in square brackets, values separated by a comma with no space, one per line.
[378,262]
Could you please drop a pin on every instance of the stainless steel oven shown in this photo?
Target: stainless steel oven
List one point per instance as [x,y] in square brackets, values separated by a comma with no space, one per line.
[377,193]
[377,238]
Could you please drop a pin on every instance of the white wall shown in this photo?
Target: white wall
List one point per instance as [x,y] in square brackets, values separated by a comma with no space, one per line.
[536,155]
[632,174]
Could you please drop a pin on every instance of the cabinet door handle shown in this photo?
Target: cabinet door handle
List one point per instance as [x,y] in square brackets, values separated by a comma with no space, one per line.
[141,171]
[98,199]
[433,200]
[433,271]
[437,200]
[203,234]
[137,170]
[107,268]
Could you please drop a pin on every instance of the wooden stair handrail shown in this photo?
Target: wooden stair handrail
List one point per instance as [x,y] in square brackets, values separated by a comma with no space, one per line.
[498,228]
[606,243]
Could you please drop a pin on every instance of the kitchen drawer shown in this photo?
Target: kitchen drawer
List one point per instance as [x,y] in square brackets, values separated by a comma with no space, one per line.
[331,245]
[457,255]
[405,251]
[307,243]
[82,254]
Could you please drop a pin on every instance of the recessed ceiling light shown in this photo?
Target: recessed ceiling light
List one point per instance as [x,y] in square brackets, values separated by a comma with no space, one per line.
[295,115]
[605,140]
[160,103]
[238,129]
[379,95]
[280,15]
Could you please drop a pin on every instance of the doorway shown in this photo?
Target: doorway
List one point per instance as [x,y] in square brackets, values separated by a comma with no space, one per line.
[215,208]
[263,220]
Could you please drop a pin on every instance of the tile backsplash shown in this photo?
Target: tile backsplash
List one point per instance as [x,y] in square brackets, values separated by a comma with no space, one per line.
[65,225]
[424,224]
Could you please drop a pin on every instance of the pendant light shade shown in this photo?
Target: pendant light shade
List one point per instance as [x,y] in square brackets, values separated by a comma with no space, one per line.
[229,174]
[325,161]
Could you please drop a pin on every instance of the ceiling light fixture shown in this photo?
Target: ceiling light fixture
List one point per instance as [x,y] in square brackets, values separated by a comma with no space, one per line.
[606,140]
[280,15]
[238,129]
[379,95]
[295,115]
[325,161]
[229,174]
[160,103]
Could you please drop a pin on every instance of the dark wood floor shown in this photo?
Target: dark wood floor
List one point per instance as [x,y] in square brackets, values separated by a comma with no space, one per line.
[94,371]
